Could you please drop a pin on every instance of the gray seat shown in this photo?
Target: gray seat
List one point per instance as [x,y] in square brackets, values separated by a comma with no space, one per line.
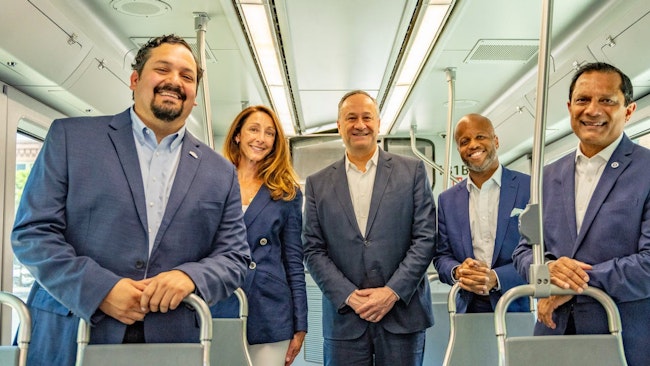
[229,344]
[437,335]
[17,355]
[472,339]
[159,354]
[573,350]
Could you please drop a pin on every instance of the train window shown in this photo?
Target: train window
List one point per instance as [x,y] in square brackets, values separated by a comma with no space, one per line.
[310,154]
[402,146]
[27,148]
[313,153]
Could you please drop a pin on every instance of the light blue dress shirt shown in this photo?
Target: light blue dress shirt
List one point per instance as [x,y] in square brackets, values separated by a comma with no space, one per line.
[158,164]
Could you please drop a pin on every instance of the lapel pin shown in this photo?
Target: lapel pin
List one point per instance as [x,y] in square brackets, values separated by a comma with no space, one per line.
[194,154]
[615,165]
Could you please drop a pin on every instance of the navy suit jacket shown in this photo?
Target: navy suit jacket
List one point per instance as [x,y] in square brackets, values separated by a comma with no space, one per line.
[275,283]
[614,239]
[455,236]
[82,226]
[395,250]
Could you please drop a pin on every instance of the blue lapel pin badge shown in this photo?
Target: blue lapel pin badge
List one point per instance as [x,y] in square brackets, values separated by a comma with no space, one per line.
[615,165]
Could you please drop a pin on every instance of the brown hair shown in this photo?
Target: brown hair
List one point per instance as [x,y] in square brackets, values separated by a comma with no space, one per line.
[275,170]
[145,52]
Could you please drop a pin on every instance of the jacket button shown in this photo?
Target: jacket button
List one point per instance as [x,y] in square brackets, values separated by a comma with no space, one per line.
[263,241]
[139,264]
[252,265]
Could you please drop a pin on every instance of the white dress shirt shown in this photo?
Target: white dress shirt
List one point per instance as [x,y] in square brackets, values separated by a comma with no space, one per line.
[587,174]
[360,185]
[483,215]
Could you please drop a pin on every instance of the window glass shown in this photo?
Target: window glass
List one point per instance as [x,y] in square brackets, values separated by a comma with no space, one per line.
[27,148]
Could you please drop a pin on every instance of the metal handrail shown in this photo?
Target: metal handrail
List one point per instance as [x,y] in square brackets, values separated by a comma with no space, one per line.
[613,315]
[193,300]
[25,328]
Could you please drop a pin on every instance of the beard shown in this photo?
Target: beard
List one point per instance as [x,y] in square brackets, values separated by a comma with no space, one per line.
[487,163]
[164,111]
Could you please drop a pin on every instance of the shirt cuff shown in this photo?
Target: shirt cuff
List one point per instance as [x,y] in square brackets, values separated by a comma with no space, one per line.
[498,286]
[396,295]
[453,270]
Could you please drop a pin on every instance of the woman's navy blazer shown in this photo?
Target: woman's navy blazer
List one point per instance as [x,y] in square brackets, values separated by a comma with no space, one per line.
[275,282]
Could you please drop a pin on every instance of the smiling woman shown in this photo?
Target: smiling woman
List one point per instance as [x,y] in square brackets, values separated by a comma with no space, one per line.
[272,201]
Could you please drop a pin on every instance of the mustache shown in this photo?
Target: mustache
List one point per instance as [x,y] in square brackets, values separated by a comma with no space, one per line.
[171,88]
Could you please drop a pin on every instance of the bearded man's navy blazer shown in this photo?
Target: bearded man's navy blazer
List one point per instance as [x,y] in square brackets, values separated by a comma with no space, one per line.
[82,226]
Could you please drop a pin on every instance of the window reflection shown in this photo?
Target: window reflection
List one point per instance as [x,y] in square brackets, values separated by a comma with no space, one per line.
[27,149]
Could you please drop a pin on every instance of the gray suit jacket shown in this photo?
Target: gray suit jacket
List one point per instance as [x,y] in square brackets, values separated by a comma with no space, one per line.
[82,226]
[395,250]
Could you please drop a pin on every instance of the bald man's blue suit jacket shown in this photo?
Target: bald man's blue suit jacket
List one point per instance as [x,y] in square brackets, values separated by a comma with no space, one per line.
[455,236]
[82,226]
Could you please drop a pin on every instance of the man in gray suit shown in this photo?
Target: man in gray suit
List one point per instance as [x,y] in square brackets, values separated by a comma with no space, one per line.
[369,236]
[123,216]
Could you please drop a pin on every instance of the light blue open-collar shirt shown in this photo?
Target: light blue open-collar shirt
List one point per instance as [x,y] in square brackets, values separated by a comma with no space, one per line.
[158,164]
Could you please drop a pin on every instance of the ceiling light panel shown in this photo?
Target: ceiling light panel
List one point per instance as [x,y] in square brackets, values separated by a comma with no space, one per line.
[256,17]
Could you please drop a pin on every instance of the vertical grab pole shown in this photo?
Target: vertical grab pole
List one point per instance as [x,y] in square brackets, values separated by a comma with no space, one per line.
[450,72]
[531,221]
[201,27]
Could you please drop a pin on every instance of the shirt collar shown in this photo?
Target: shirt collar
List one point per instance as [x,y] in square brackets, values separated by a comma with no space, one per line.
[145,136]
[604,154]
[496,177]
[373,160]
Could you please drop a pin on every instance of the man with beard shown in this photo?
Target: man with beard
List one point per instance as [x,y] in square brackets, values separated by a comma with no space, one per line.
[123,216]
[478,222]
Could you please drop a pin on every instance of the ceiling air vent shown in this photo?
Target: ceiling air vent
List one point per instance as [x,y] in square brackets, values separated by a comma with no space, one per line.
[503,50]
[209,56]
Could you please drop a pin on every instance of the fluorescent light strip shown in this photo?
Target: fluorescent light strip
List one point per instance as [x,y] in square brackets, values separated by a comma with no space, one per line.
[257,25]
[412,65]
[282,109]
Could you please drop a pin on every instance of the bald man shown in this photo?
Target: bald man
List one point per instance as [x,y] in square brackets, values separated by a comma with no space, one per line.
[478,222]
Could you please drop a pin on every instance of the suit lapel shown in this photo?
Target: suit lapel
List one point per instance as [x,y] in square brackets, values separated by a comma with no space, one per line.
[188,165]
[260,201]
[613,169]
[121,136]
[384,170]
[567,187]
[462,217]
[507,196]
[339,180]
